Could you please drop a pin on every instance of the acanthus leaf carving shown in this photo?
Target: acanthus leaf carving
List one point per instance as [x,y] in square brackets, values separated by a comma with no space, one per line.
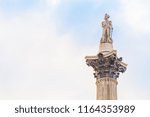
[106,66]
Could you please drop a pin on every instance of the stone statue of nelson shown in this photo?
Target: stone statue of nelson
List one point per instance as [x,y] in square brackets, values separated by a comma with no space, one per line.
[107,29]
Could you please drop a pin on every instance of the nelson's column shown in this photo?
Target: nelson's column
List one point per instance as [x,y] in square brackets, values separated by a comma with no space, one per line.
[107,66]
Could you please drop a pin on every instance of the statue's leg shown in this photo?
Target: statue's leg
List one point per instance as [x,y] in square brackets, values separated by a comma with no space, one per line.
[103,36]
[108,35]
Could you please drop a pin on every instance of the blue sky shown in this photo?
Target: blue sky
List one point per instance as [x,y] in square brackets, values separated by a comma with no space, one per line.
[43,44]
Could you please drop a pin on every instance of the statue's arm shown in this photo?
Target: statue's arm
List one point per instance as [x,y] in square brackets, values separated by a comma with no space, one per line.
[110,25]
[103,24]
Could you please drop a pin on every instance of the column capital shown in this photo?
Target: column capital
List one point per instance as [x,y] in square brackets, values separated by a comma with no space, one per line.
[106,65]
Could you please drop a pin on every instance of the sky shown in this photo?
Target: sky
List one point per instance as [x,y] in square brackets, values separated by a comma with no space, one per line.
[43,44]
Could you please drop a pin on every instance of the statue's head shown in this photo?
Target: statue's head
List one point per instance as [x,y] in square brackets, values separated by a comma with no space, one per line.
[106,16]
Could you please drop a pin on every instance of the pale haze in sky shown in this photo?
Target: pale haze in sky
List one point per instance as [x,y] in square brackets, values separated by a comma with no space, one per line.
[43,44]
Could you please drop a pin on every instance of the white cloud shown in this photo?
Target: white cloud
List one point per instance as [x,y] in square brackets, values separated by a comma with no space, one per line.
[54,3]
[38,63]
[136,14]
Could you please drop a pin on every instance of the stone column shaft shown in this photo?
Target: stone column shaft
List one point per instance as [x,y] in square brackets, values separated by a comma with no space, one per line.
[106,89]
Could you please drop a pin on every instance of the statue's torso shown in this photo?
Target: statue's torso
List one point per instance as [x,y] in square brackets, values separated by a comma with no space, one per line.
[106,24]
